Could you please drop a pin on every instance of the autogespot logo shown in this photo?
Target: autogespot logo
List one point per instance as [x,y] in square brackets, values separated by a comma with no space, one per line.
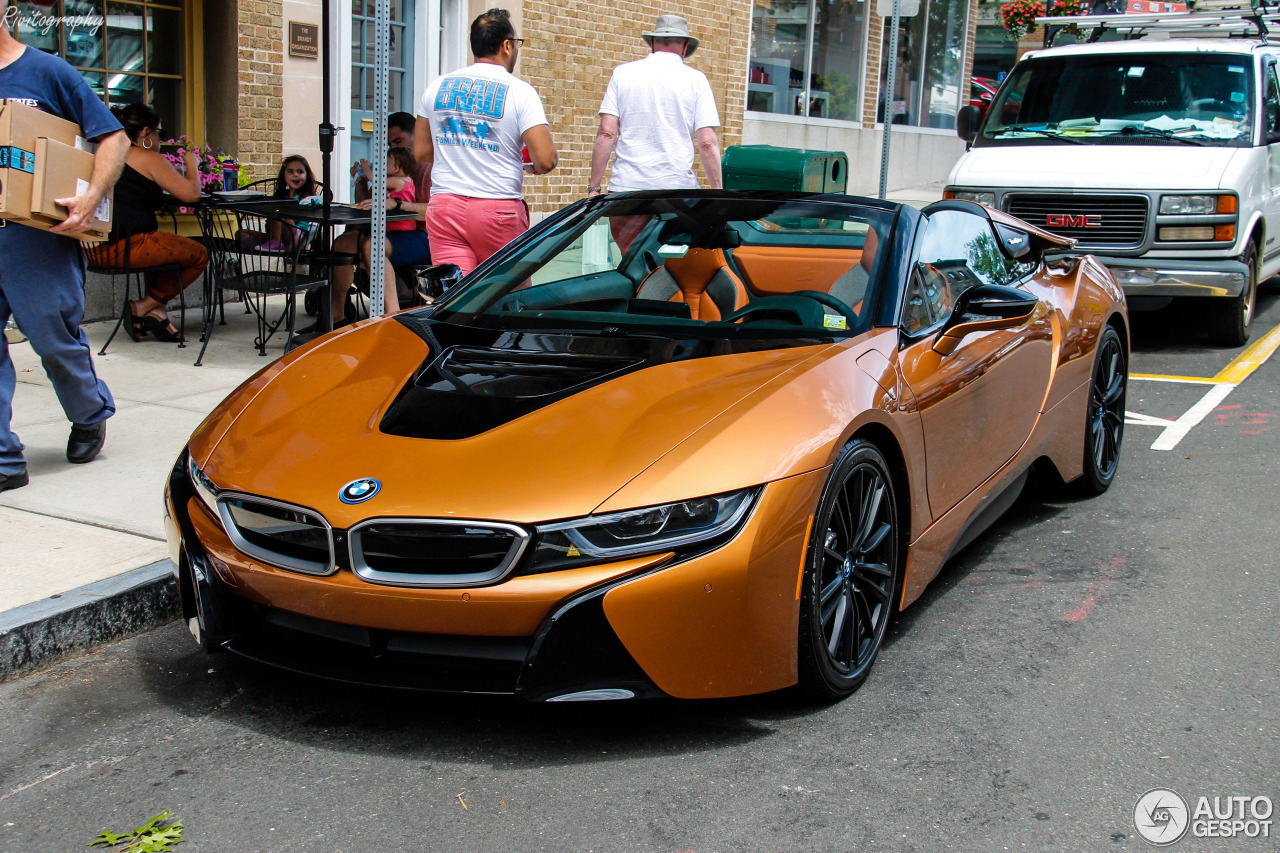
[1160,816]
[359,491]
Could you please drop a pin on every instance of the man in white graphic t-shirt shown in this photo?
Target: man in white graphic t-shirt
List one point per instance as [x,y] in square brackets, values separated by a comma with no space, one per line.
[653,109]
[471,126]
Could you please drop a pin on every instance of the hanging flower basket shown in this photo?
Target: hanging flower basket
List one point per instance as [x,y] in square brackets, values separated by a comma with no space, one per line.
[1019,16]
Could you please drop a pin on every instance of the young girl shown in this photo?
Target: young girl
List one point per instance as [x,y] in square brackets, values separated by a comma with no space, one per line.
[400,188]
[400,164]
[295,180]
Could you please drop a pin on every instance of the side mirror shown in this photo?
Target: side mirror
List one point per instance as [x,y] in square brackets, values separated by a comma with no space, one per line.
[987,306]
[968,118]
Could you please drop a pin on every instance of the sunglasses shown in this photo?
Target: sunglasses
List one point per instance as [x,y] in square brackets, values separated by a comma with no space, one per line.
[519,42]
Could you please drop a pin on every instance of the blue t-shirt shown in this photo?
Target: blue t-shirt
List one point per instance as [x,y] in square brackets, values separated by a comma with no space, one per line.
[47,83]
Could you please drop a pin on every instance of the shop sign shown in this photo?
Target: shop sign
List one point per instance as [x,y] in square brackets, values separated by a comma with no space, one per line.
[304,40]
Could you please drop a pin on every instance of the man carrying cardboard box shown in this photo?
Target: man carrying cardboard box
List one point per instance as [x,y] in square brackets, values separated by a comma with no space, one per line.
[42,272]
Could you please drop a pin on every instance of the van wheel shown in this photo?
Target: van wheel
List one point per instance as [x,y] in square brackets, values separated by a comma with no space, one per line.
[1229,322]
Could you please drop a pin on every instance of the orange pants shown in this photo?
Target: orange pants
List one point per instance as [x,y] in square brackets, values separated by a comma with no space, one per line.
[150,249]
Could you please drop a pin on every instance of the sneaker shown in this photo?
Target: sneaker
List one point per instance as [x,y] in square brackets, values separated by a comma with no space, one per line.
[85,442]
[14,481]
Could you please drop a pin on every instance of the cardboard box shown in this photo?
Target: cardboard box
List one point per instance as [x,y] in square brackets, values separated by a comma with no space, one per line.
[43,157]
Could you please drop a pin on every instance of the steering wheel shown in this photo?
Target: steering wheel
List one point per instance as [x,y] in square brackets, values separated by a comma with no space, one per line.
[1205,105]
[831,302]
[778,305]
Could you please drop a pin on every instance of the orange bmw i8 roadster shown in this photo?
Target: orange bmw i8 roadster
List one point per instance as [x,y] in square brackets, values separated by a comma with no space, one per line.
[691,444]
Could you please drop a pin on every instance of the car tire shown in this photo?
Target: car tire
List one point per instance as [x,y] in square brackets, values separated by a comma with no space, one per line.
[851,574]
[1231,317]
[1104,426]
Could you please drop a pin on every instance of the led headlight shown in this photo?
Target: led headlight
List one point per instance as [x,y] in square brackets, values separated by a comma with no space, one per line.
[667,527]
[987,198]
[203,486]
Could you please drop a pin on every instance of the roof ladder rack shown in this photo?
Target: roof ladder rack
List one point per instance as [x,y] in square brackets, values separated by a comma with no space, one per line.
[1255,22]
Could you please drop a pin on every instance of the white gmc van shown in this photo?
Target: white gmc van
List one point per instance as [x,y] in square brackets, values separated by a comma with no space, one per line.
[1161,156]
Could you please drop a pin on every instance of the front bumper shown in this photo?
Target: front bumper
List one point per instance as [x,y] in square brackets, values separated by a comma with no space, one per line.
[1168,277]
[717,623]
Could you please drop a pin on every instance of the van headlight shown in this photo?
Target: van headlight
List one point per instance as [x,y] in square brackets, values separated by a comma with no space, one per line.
[987,198]
[1189,204]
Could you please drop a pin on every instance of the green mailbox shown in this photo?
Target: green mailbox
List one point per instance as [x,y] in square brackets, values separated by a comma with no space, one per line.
[768,167]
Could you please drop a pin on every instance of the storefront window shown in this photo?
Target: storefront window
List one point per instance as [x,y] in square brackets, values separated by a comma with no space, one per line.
[807,58]
[129,51]
[930,84]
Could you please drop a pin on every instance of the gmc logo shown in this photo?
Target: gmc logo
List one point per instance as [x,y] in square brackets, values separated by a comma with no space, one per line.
[1067,220]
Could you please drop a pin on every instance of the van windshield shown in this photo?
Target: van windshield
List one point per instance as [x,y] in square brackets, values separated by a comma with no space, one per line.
[1153,98]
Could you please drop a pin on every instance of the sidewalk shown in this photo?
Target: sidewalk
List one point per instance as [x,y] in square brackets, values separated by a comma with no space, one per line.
[83,558]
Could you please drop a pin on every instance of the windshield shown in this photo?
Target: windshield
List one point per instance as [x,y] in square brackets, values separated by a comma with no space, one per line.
[687,266]
[1109,99]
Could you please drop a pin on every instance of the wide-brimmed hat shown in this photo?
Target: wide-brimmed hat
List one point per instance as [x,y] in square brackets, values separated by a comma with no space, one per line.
[671,27]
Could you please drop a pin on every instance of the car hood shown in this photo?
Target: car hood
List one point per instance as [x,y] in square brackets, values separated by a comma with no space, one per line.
[1087,166]
[320,419]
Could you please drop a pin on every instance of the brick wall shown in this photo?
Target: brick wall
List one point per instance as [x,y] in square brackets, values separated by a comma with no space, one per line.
[259,139]
[572,50]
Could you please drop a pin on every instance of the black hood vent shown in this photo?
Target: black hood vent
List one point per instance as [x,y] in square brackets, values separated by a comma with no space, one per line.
[519,374]
[477,379]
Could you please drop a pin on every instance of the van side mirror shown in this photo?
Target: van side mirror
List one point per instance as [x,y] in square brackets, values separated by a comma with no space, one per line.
[968,118]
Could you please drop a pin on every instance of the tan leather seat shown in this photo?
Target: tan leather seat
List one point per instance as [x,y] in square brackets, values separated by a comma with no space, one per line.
[851,288]
[702,279]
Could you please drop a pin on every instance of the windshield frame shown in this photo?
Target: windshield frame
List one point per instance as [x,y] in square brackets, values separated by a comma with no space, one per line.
[478,301]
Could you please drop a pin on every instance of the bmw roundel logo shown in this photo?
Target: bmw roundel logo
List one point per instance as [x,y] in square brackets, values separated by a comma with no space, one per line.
[359,491]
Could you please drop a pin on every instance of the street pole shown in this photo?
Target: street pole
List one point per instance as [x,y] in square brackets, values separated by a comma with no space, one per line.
[327,130]
[378,187]
[888,100]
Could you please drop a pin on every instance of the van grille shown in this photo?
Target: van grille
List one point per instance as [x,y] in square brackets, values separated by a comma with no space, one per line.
[1114,221]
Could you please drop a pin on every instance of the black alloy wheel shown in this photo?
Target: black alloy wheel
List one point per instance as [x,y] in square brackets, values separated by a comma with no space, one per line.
[1231,315]
[1104,428]
[851,573]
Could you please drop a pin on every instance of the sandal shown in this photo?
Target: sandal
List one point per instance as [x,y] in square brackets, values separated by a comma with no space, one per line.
[161,328]
[137,328]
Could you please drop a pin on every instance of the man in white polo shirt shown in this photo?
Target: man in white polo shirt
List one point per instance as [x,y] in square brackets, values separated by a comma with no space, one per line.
[471,126]
[653,109]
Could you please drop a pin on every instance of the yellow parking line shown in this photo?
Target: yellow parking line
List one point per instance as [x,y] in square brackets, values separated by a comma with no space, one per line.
[1160,377]
[1251,359]
[1235,372]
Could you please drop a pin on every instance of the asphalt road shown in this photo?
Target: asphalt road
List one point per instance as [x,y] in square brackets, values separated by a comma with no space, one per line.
[1078,655]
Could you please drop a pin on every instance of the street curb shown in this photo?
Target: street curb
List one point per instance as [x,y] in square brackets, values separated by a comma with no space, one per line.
[40,633]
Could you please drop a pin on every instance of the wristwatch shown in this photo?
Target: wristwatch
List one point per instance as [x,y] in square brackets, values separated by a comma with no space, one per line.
[399,204]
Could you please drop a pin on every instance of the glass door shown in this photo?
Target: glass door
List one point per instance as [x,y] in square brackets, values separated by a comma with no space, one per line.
[401,93]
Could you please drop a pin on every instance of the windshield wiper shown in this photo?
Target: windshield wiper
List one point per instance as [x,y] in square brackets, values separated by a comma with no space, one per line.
[1052,134]
[1155,132]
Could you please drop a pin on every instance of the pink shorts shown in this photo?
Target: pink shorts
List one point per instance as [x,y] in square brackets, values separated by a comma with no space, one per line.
[466,231]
